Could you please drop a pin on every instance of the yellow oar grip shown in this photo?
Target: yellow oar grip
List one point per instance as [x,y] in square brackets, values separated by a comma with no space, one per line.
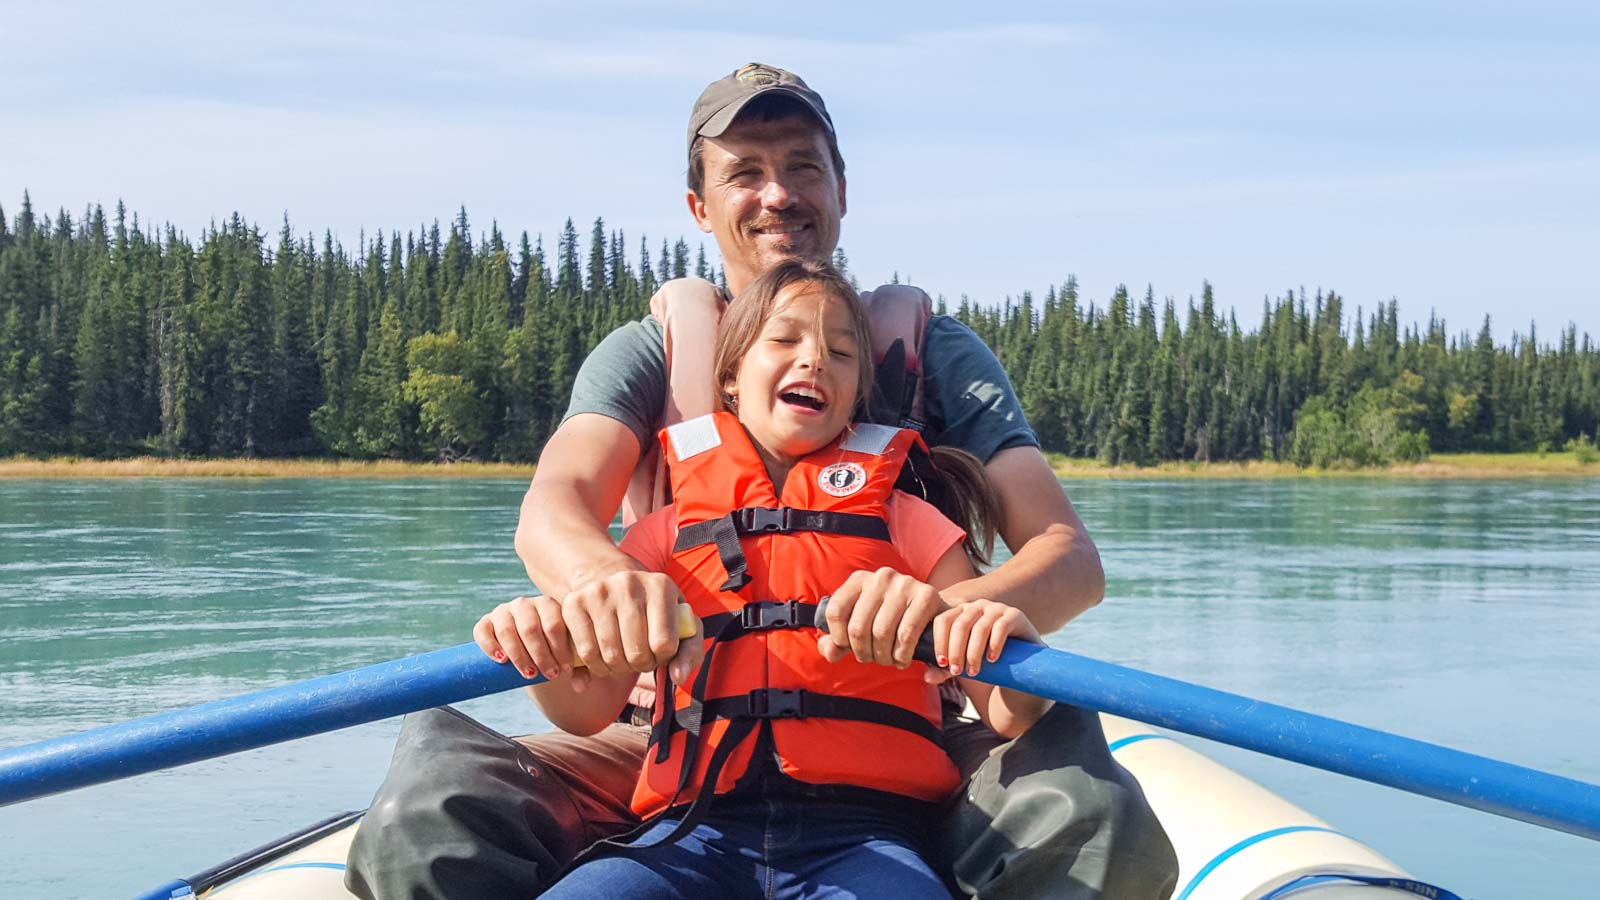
[688,624]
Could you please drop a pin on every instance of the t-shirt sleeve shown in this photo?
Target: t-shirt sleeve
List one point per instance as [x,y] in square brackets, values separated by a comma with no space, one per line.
[625,378]
[969,399]
[650,539]
[920,532]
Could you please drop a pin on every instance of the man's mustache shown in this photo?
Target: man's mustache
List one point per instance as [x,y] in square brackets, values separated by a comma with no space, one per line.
[779,222]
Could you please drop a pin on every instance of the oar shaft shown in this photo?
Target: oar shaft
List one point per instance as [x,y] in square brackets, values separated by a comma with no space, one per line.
[463,672]
[298,710]
[1477,782]
[254,720]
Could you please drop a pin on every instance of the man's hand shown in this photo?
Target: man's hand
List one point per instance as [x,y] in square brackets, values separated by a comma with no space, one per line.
[624,623]
[878,616]
[627,622]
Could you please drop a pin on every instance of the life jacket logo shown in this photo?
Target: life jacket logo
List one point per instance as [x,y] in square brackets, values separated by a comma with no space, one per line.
[842,479]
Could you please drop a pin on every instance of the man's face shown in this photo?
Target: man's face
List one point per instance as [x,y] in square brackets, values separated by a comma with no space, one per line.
[770,193]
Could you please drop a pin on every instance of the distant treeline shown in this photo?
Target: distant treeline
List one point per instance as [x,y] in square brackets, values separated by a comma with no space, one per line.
[117,339]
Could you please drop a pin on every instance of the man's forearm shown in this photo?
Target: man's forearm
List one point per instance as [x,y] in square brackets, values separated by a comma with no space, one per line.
[562,533]
[1053,578]
[1054,573]
[560,543]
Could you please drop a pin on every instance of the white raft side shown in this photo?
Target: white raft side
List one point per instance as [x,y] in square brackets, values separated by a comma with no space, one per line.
[314,872]
[1207,809]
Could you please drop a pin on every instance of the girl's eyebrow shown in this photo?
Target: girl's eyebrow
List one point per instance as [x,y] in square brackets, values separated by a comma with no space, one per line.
[842,334]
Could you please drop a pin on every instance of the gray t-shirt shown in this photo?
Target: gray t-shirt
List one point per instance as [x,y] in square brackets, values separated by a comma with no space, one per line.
[967,397]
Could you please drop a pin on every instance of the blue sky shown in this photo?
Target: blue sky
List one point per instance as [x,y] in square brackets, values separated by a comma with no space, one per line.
[1444,154]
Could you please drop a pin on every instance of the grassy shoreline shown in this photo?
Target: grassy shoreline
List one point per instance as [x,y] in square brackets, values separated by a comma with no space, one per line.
[1440,465]
[157,467]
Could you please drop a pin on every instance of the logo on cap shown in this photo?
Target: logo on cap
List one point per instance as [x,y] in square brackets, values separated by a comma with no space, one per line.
[842,479]
[756,73]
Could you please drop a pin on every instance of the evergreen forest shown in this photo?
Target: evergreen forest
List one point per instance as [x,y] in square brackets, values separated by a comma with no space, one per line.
[118,339]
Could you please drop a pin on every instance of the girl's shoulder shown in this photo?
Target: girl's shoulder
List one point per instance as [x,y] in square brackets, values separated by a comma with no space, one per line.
[650,539]
[920,532]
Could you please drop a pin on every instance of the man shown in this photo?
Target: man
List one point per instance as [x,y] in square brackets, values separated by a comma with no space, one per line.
[468,813]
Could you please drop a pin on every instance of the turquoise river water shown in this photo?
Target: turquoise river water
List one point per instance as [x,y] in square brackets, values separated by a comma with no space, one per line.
[1464,613]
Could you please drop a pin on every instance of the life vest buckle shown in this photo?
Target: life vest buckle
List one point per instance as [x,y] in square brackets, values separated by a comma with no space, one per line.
[763,520]
[773,703]
[764,615]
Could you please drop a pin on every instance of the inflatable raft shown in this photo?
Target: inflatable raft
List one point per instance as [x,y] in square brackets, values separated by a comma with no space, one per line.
[1235,840]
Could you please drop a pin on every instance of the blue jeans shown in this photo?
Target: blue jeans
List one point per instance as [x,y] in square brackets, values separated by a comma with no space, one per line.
[766,846]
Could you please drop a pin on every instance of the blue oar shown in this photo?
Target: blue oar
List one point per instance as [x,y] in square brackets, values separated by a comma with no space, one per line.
[463,672]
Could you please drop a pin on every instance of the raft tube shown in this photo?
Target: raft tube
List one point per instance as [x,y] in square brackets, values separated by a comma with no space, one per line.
[1235,840]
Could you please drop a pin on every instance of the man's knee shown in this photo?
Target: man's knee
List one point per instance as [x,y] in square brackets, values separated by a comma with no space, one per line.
[457,812]
[1052,814]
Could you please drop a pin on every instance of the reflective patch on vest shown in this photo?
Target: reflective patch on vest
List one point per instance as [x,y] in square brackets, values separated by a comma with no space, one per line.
[694,437]
[865,437]
[842,479]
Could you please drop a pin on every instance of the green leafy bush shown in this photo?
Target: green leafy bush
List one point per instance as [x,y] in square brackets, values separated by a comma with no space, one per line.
[1583,448]
[1378,427]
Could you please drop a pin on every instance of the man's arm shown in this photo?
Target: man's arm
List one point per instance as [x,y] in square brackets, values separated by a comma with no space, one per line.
[563,535]
[1054,572]
[620,616]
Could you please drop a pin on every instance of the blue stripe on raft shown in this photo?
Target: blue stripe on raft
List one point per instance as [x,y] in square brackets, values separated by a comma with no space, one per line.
[1119,743]
[1251,841]
[338,867]
[1420,888]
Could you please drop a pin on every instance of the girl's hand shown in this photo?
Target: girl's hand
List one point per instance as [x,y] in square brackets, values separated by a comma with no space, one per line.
[878,616]
[527,632]
[965,634]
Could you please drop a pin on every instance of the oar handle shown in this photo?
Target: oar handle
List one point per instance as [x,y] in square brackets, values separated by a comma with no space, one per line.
[688,624]
[922,653]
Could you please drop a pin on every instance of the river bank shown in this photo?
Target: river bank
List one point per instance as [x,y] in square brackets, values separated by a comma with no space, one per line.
[158,467]
[1439,465]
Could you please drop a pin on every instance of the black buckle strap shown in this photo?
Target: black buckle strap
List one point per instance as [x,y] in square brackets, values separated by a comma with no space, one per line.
[750,520]
[761,615]
[773,703]
[762,519]
[725,531]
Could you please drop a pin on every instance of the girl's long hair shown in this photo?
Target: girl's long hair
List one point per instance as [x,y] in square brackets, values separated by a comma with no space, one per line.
[951,479]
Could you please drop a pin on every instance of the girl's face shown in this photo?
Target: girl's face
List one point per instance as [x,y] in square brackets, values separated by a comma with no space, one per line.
[796,386]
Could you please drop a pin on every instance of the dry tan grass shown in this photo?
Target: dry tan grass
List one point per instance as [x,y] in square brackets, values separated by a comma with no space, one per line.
[155,467]
[1439,465]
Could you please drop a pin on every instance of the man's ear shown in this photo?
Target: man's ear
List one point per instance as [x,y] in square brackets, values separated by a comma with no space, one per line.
[841,197]
[697,208]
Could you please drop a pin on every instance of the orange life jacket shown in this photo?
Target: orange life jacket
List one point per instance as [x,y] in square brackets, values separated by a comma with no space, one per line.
[753,563]
[689,310]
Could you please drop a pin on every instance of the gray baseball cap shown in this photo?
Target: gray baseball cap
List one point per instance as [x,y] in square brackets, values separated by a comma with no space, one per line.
[721,101]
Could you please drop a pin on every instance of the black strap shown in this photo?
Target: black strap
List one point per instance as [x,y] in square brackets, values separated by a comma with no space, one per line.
[916,475]
[776,703]
[894,390]
[736,734]
[725,532]
[661,731]
[696,812]
[762,615]
[750,520]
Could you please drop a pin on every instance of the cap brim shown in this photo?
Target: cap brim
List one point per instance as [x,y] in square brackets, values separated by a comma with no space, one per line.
[723,118]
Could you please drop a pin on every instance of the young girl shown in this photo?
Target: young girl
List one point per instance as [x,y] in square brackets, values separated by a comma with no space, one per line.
[788,765]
